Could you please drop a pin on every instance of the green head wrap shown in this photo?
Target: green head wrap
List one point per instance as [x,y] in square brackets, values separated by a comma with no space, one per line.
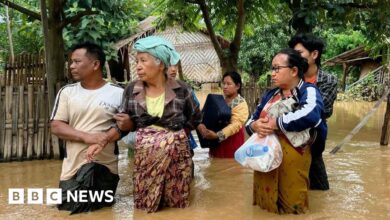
[159,48]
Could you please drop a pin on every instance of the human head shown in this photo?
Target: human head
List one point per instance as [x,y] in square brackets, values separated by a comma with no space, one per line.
[288,66]
[93,51]
[172,71]
[159,48]
[310,47]
[231,83]
[86,60]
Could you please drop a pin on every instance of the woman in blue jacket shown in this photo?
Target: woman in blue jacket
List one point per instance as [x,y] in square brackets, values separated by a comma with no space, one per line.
[285,189]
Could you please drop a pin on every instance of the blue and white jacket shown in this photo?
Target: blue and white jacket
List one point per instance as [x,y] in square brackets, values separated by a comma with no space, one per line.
[310,114]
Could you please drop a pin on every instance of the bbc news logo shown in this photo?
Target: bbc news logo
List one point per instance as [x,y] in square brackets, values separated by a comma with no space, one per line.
[54,196]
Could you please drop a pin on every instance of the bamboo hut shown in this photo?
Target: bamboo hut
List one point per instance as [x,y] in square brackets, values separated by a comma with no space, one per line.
[199,61]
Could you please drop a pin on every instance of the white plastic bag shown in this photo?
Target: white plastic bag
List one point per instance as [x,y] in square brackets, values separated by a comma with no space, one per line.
[260,154]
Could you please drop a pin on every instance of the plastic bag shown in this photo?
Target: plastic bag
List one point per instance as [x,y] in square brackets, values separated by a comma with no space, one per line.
[260,154]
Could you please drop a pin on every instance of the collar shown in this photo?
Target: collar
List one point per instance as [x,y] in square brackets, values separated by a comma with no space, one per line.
[140,92]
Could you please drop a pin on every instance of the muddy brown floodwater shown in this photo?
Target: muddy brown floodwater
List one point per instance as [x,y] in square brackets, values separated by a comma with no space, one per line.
[359,178]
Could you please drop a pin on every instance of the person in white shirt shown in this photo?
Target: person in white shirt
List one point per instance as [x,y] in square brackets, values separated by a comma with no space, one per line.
[83,116]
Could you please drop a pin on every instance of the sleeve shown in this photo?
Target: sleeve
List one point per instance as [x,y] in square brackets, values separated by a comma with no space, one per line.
[60,110]
[124,108]
[192,111]
[255,115]
[329,95]
[239,116]
[308,116]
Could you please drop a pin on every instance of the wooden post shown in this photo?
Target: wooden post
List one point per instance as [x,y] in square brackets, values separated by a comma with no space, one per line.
[21,123]
[40,120]
[38,153]
[30,125]
[2,127]
[55,141]
[8,123]
[345,74]
[386,125]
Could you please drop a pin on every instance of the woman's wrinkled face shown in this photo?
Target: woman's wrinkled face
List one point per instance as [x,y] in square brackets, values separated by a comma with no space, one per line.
[282,75]
[229,87]
[147,67]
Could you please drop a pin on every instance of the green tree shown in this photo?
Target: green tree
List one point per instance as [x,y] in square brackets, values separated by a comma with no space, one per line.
[228,19]
[61,18]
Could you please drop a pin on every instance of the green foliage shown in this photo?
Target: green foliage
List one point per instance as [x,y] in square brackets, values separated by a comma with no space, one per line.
[105,28]
[339,42]
[26,34]
[258,49]
[367,90]
[115,19]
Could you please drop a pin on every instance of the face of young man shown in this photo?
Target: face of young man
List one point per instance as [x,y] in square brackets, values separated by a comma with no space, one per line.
[83,66]
[310,56]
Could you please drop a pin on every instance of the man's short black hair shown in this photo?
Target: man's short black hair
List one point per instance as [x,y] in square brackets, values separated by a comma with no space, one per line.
[93,50]
[310,42]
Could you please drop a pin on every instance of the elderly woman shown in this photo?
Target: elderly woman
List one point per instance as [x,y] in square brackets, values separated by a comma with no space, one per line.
[162,111]
[285,189]
[232,136]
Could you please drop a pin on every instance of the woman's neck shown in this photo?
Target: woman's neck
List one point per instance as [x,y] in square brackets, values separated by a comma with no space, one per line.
[287,89]
[156,87]
[230,98]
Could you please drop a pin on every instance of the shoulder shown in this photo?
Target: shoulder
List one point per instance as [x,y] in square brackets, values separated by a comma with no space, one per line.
[68,88]
[239,101]
[326,77]
[184,85]
[115,87]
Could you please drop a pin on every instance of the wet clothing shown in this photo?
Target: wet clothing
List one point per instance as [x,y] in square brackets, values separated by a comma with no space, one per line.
[92,178]
[232,136]
[162,169]
[285,189]
[327,84]
[162,157]
[88,111]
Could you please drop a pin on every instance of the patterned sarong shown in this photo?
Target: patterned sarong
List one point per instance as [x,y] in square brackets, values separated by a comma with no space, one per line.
[162,169]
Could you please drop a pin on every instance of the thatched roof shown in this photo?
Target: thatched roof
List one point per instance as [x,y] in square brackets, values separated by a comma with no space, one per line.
[199,60]
[351,57]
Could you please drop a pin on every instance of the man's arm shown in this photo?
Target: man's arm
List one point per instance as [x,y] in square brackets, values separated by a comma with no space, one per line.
[64,131]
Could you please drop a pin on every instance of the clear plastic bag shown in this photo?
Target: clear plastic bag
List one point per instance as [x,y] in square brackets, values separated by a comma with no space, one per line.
[260,154]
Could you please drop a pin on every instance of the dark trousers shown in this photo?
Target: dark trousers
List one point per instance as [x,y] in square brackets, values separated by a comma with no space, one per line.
[317,174]
[91,177]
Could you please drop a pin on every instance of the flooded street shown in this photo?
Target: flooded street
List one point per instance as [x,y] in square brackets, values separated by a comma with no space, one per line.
[359,176]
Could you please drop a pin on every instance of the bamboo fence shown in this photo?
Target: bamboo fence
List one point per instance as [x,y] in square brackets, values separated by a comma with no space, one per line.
[24,111]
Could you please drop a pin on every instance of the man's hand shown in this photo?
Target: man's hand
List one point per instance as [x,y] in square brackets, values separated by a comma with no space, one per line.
[101,138]
[92,151]
[123,121]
